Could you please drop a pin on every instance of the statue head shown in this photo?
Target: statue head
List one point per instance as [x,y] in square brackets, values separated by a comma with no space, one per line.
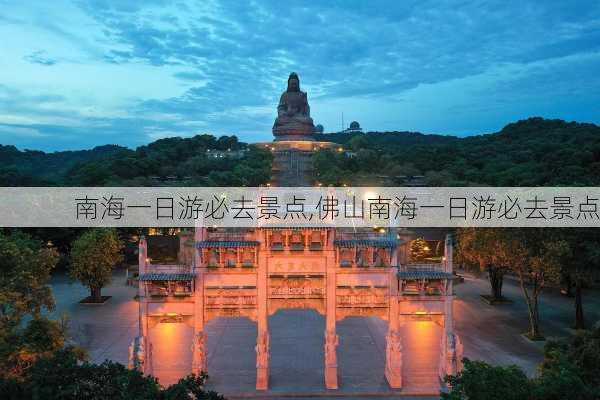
[293,83]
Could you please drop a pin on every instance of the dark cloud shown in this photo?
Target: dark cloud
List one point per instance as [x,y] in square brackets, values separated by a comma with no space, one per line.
[236,56]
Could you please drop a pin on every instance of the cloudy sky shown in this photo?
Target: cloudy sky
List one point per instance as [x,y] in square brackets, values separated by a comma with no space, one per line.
[83,73]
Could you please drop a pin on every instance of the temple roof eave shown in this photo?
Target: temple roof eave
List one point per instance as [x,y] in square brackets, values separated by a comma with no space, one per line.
[367,242]
[413,275]
[226,243]
[167,276]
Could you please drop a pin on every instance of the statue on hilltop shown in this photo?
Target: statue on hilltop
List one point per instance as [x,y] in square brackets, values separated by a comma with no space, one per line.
[293,120]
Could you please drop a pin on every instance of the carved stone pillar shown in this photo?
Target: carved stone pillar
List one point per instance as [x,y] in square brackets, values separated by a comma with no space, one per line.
[331,339]
[331,343]
[451,355]
[451,351]
[393,359]
[199,353]
[262,322]
[199,363]
[393,349]
[140,354]
[262,361]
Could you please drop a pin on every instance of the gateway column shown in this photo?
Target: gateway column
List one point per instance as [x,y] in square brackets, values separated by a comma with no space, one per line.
[140,350]
[393,349]
[451,347]
[262,319]
[331,338]
[199,337]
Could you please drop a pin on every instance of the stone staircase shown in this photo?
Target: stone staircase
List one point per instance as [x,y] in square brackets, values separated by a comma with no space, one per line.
[292,168]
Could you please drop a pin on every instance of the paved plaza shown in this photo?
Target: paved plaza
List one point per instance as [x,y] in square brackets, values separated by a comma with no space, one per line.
[489,333]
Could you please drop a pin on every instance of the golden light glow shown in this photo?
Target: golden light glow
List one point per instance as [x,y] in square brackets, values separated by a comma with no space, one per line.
[370,195]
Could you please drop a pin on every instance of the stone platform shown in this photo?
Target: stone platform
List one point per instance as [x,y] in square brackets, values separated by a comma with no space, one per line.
[300,145]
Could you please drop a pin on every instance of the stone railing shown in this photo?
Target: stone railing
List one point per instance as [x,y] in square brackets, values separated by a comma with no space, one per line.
[169,268]
[229,236]
[341,235]
[411,267]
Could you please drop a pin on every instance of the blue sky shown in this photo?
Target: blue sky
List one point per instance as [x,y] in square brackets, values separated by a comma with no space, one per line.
[75,74]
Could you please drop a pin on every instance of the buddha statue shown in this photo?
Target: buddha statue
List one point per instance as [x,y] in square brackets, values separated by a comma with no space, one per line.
[293,120]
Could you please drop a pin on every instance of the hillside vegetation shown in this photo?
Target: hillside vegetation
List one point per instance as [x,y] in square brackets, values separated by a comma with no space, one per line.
[202,160]
[531,152]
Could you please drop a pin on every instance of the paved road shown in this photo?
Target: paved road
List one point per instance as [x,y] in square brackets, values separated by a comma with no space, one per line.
[493,333]
[489,333]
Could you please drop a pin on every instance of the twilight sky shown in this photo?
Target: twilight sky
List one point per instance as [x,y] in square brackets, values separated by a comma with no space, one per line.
[75,74]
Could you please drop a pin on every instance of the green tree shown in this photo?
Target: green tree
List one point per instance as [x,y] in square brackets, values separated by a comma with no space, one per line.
[479,247]
[93,256]
[533,254]
[580,258]
[25,267]
[560,379]
[191,387]
[481,381]
[21,348]
[419,249]
[571,367]
[358,142]
[63,375]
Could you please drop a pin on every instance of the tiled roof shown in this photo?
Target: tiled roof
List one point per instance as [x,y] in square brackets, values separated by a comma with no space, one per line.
[309,225]
[167,276]
[365,242]
[425,274]
[222,243]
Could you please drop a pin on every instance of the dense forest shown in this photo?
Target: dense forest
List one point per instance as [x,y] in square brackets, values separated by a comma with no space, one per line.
[202,160]
[531,152]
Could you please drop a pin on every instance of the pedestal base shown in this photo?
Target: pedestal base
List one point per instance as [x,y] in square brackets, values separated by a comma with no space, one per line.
[262,378]
[394,378]
[331,379]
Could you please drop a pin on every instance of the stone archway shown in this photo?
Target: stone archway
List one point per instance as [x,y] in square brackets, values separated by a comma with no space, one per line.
[361,353]
[296,349]
[421,338]
[231,357]
[171,349]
